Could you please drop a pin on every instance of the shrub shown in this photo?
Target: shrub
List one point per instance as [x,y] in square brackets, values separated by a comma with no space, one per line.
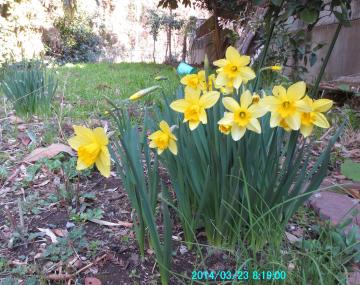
[30,87]
[78,41]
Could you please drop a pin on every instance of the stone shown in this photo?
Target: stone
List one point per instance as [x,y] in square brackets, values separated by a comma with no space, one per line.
[335,207]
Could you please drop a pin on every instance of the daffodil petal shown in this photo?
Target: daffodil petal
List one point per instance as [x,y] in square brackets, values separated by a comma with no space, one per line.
[80,165]
[231,104]
[220,62]
[193,125]
[100,136]
[245,99]
[297,90]
[203,117]
[237,81]
[321,121]
[306,130]
[84,134]
[274,119]
[159,151]
[227,119]
[278,91]
[258,110]
[192,94]
[271,103]
[254,126]
[173,147]
[233,55]
[302,106]
[180,105]
[103,162]
[247,73]
[164,127]
[322,105]
[294,121]
[221,79]
[152,144]
[154,135]
[209,99]
[75,142]
[237,132]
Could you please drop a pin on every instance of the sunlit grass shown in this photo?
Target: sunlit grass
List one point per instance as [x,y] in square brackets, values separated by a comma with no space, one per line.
[85,85]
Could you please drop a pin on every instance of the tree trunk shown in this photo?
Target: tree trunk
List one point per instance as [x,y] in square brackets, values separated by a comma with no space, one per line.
[216,31]
[184,47]
[154,51]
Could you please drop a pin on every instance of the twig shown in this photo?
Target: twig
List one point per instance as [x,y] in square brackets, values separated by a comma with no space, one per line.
[326,133]
[66,276]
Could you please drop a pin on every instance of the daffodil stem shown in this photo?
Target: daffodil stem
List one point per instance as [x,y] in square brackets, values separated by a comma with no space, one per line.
[326,60]
[267,45]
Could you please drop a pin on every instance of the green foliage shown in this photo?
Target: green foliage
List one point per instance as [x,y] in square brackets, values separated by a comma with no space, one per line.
[78,41]
[132,155]
[238,186]
[30,87]
[65,246]
[88,215]
[323,260]
[351,170]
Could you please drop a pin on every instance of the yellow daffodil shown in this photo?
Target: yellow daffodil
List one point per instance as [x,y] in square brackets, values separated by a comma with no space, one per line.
[163,139]
[233,68]
[193,106]
[225,129]
[206,86]
[193,81]
[315,116]
[227,89]
[197,81]
[91,146]
[287,105]
[242,116]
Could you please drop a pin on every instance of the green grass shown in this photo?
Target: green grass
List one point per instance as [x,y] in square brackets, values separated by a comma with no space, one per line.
[85,85]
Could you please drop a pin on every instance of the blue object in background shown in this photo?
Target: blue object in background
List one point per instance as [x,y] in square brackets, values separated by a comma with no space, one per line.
[183,69]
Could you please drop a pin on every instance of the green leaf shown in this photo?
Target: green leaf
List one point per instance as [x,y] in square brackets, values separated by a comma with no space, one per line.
[351,170]
[309,16]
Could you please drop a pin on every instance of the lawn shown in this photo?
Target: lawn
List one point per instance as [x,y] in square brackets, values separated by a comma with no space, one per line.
[85,85]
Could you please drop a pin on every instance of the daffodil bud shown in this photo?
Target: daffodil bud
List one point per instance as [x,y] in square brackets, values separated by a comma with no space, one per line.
[143,92]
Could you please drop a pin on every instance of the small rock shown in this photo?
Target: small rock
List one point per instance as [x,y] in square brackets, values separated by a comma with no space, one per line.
[183,249]
[69,225]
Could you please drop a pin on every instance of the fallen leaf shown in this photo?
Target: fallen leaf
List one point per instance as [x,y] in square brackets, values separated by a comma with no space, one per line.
[292,238]
[110,224]
[353,192]
[60,232]
[48,152]
[15,120]
[42,184]
[24,139]
[50,234]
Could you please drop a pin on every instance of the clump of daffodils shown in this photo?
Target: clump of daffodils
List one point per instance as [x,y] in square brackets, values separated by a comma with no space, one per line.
[290,108]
